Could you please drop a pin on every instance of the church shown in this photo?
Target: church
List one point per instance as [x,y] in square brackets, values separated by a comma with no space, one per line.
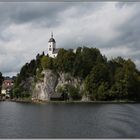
[52,50]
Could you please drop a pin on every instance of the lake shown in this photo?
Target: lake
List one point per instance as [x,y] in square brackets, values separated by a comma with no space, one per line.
[60,120]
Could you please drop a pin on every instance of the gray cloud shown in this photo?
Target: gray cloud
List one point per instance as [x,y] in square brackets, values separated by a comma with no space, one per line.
[22,12]
[25,28]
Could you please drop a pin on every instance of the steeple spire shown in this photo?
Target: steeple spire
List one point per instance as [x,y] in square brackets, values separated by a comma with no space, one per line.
[51,34]
[52,39]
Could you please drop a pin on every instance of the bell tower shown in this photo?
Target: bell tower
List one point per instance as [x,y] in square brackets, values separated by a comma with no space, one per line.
[51,45]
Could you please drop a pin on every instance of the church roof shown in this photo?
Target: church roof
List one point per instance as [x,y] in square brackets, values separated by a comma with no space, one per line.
[52,40]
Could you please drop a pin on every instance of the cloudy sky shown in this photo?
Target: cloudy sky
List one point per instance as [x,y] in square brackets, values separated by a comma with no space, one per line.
[113,27]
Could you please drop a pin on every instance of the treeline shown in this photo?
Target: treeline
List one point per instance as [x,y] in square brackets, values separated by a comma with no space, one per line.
[116,79]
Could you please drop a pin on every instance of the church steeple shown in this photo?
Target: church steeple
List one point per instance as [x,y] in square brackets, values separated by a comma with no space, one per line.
[52,51]
[52,39]
[51,34]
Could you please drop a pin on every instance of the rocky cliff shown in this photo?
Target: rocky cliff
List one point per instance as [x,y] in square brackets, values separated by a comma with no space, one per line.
[48,87]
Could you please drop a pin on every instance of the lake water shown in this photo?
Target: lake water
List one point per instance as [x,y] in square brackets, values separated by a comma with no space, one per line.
[21,120]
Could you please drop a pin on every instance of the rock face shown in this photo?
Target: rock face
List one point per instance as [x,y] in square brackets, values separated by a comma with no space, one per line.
[43,90]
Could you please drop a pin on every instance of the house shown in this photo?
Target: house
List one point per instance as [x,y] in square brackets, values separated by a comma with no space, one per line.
[7,86]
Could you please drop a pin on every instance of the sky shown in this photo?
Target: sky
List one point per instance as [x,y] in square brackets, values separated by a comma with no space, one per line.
[25,28]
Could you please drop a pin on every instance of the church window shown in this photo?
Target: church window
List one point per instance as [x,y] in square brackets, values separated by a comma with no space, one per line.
[49,49]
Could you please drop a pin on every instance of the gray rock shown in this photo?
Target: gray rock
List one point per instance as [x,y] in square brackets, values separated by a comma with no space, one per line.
[43,90]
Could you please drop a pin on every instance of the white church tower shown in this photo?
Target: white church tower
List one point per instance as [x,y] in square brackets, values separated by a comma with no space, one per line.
[52,51]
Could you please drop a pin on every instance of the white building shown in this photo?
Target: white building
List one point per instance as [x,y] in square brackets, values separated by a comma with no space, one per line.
[52,51]
[3,91]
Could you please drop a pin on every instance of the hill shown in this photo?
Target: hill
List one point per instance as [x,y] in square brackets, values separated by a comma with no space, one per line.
[83,75]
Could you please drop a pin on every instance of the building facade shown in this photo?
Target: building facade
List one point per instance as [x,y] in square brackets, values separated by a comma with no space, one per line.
[7,86]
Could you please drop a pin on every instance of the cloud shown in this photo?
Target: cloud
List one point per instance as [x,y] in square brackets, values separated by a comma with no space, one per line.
[25,28]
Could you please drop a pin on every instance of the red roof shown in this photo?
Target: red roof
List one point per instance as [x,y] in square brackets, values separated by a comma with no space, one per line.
[7,84]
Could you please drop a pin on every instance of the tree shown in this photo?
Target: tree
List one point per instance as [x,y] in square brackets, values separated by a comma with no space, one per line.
[69,92]
[97,76]
[73,92]
[65,60]
[85,60]
[125,80]
[47,62]
[32,67]
[17,92]
[102,91]
[63,91]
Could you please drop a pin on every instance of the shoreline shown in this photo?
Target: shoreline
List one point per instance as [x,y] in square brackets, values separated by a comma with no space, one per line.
[72,102]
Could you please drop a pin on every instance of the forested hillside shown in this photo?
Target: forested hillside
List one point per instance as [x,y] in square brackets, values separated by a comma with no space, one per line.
[116,79]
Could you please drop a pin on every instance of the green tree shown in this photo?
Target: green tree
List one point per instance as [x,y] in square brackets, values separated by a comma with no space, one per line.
[102,91]
[86,59]
[17,92]
[65,60]
[32,67]
[73,92]
[125,80]
[47,62]
[97,76]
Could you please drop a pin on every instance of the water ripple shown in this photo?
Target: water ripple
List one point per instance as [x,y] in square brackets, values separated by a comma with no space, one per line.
[19,120]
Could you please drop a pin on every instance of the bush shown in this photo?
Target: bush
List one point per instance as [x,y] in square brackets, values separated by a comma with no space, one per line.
[47,62]
[17,92]
[73,92]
